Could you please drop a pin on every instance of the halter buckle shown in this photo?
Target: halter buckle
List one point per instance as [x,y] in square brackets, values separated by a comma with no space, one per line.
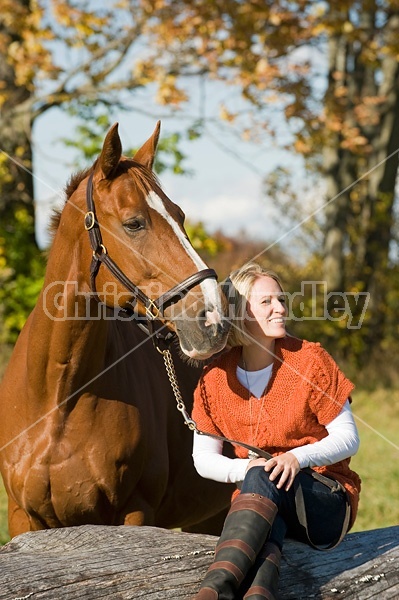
[152,311]
[89,224]
[103,248]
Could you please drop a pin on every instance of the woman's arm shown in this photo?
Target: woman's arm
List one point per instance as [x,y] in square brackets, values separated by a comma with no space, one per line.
[341,442]
[211,464]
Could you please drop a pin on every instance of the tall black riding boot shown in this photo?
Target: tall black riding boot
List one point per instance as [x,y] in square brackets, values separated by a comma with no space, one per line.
[244,533]
[265,583]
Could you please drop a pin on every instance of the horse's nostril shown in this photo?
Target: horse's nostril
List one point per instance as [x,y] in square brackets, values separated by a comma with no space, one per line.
[210,316]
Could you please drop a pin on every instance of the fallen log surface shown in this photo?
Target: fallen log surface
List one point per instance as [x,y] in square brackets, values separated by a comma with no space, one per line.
[97,562]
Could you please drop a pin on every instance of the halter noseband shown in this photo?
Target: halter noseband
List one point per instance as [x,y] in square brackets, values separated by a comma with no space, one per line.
[154,308]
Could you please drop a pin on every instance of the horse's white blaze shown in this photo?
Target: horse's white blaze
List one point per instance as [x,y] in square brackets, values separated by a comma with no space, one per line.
[209,287]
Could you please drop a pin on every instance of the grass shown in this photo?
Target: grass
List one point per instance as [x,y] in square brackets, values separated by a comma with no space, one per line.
[4,537]
[377,462]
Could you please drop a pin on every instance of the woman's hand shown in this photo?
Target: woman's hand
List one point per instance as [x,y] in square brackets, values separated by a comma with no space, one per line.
[285,466]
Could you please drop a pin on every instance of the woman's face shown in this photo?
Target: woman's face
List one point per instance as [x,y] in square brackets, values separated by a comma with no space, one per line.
[266,309]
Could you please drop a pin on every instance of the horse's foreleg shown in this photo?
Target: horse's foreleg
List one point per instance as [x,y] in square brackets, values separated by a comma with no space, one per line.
[138,512]
[19,521]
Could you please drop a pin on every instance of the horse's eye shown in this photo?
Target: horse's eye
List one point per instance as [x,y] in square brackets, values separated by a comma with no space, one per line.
[133,225]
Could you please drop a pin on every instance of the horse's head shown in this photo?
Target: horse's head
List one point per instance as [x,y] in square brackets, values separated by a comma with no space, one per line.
[139,243]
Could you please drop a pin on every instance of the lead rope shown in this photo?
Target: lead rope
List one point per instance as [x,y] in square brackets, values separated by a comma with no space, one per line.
[299,498]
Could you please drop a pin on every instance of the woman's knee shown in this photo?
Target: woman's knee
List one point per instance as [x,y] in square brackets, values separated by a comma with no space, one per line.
[257,482]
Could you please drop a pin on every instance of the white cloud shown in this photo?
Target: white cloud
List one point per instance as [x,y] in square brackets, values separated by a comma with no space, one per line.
[231,212]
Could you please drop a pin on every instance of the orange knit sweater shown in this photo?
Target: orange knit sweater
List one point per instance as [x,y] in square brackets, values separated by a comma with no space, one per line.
[306,391]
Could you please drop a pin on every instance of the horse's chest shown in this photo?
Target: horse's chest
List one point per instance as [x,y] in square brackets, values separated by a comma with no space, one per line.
[103,455]
[93,489]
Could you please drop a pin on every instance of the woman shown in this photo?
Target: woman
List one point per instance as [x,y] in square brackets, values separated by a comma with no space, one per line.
[288,397]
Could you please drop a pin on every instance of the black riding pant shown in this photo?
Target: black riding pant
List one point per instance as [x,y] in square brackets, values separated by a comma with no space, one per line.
[325,510]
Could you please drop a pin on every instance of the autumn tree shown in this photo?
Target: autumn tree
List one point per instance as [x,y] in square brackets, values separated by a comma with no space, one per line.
[330,72]
[361,145]
[79,56]
[20,259]
[317,78]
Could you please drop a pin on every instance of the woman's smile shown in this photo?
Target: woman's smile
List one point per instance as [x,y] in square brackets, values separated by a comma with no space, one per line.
[266,311]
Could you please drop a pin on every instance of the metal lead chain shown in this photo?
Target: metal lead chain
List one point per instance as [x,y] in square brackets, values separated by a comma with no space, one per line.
[170,370]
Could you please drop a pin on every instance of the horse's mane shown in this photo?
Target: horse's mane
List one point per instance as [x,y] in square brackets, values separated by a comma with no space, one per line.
[145,180]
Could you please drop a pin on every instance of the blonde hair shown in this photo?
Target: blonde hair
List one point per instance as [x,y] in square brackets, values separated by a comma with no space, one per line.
[242,282]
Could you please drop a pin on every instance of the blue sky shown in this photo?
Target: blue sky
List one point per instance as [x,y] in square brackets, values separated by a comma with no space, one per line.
[224,192]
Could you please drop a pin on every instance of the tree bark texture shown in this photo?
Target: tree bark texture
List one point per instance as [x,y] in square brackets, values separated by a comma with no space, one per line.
[92,562]
[361,176]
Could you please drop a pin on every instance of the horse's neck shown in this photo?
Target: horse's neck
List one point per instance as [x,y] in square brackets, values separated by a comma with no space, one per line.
[65,335]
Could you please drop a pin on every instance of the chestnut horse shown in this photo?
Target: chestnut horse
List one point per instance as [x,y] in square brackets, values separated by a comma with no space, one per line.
[89,431]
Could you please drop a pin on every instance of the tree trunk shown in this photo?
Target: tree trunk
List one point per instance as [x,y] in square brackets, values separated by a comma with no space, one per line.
[16,179]
[382,192]
[337,170]
[361,175]
[93,562]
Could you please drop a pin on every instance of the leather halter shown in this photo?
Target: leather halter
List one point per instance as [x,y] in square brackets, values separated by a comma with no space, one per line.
[154,309]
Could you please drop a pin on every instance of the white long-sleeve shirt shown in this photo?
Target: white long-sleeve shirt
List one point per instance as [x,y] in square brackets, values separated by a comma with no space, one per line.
[341,442]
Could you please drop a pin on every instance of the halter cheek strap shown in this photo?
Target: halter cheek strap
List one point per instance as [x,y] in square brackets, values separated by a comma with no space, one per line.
[154,308]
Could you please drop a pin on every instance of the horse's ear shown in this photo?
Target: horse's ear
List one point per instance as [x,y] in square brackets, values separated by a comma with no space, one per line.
[111,152]
[146,154]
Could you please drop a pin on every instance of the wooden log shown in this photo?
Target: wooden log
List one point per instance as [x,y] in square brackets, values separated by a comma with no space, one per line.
[96,562]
